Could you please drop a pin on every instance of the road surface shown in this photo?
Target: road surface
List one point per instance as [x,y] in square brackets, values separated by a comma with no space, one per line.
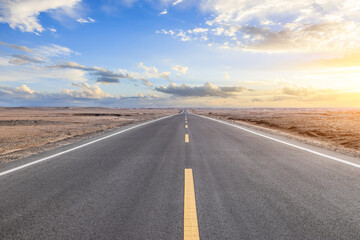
[181,179]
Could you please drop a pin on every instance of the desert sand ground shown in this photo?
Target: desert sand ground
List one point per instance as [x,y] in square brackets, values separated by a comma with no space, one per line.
[26,131]
[334,129]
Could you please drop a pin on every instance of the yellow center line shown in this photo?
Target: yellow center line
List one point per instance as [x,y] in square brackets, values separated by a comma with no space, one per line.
[191,229]
[186,126]
[186,138]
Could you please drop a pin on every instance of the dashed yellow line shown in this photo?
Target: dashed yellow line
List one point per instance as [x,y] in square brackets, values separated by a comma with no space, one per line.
[186,126]
[186,138]
[191,229]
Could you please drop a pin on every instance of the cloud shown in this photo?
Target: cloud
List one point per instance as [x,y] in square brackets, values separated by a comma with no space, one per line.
[294,94]
[304,37]
[298,91]
[23,15]
[47,53]
[32,72]
[199,30]
[177,2]
[196,34]
[110,79]
[226,76]
[23,59]
[309,93]
[17,47]
[207,90]
[38,55]
[86,91]
[234,89]
[146,82]
[103,75]
[24,89]
[153,72]
[164,12]
[73,65]
[83,95]
[180,69]
[277,26]
[84,20]
[106,76]
[170,32]
[136,75]
[256,100]
[53,50]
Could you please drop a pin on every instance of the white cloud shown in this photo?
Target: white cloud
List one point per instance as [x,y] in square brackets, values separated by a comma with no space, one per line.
[179,68]
[226,76]
[267,22]
[278,26]
[141,65]
[141,96]
[163,31]
[188,35]
[183,36]
[24,89]
[86,91]
[38,55]
[84,20]
[52,50]
[200,30]
[23,14]
[177,2]
[164,12]
[153,72]
[23,92]
[41,53]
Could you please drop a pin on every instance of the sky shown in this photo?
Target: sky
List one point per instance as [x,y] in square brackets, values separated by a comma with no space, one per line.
[180,53]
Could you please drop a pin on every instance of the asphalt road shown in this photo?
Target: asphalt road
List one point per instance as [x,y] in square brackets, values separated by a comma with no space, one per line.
[131,186]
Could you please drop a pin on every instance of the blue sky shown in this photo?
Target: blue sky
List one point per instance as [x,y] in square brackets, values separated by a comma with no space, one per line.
[211,53]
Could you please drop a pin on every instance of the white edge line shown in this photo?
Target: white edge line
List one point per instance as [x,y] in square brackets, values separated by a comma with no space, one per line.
[81,146]
[286,143]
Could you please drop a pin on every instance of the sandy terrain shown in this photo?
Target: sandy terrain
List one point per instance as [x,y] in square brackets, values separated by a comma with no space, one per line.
[334,129]
[26,131]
